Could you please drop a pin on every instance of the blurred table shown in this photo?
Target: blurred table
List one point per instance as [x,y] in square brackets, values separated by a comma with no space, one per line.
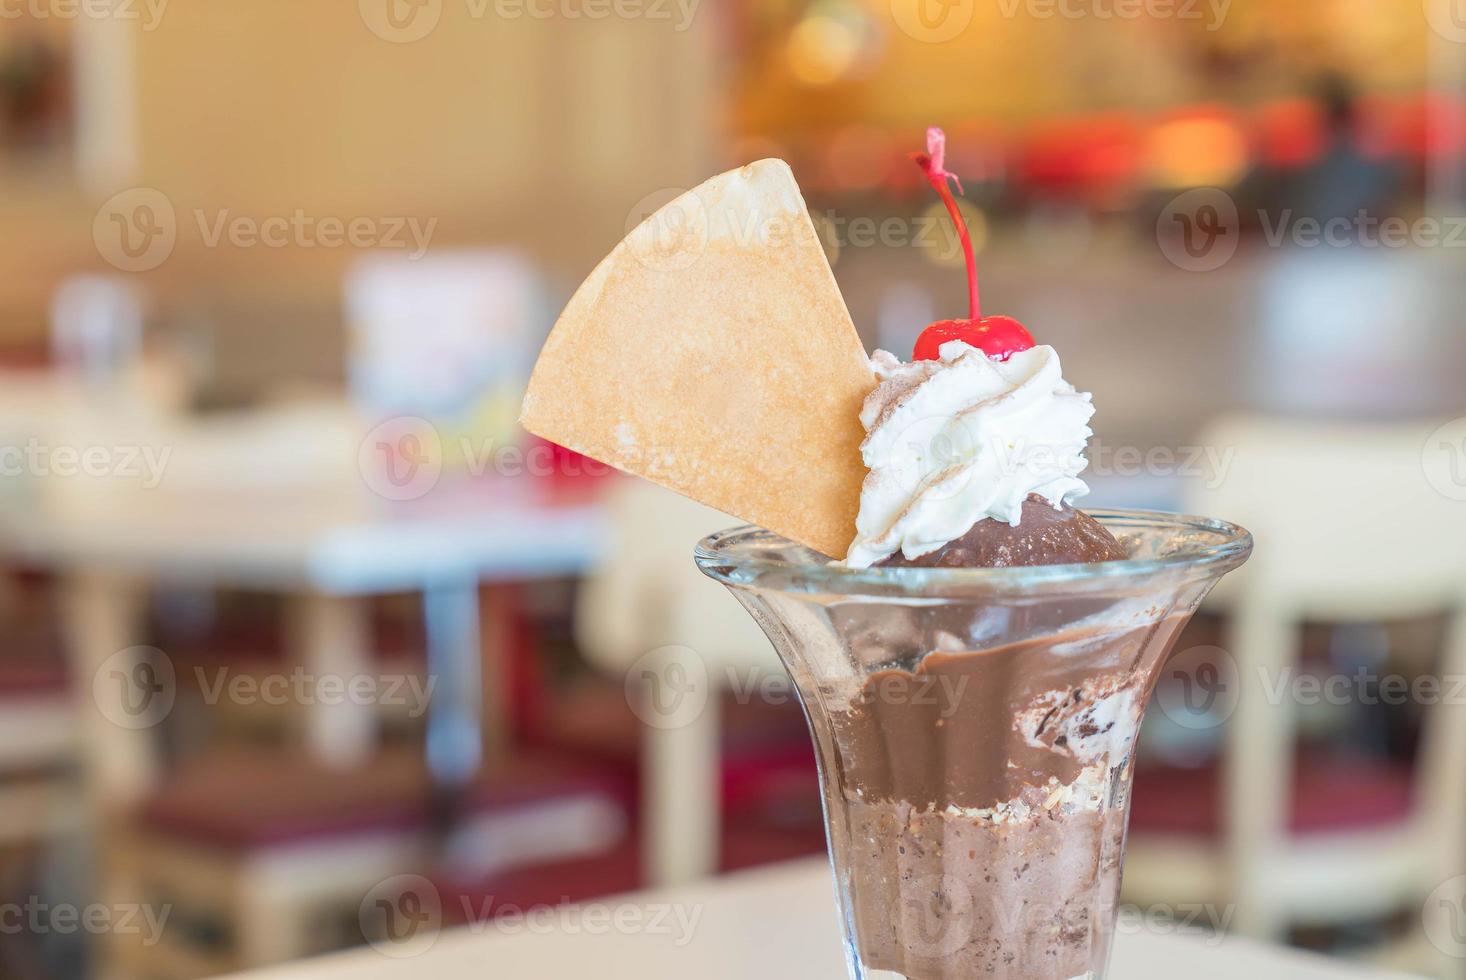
[327,559]
[773,923]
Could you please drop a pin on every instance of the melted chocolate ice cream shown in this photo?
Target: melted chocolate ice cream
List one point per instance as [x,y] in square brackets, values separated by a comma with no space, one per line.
[1045,535]
[984,828]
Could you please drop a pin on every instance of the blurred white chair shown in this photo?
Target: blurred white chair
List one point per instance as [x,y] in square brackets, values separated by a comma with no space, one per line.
[649,615]
[1348,529]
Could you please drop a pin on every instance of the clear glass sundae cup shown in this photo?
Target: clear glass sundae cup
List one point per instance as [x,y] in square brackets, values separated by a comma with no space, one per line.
[974,729]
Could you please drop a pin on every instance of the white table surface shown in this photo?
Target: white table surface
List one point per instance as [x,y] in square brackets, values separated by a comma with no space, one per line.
[771,923]
[257,544]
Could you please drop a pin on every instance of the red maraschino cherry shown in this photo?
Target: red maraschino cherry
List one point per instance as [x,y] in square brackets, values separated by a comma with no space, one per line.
[997,336]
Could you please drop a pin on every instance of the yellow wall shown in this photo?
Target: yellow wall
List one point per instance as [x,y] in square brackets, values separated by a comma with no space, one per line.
[538,132]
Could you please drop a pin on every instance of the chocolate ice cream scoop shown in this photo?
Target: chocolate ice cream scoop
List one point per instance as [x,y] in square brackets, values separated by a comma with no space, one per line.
[1045,535]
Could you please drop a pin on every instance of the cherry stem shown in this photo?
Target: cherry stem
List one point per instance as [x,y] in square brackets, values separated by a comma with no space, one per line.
[931,163]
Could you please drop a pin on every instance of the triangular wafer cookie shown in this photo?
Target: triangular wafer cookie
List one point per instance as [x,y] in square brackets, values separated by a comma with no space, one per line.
[711,352]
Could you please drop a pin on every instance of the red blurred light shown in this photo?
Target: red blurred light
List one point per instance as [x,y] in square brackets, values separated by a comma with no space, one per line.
[1290,133]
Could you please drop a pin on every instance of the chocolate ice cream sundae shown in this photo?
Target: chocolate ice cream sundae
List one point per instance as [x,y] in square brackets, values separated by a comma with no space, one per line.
[975,667]
[981,836]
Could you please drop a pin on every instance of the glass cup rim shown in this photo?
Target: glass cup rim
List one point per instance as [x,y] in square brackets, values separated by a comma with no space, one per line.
[729,557]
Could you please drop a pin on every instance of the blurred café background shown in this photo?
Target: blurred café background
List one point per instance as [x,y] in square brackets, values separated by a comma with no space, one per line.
[293,611]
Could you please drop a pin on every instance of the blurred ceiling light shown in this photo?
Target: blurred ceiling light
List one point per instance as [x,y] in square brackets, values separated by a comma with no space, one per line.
[823,49]
[1427,125]
[1291,132]
[1094,159]
[937,239]
[1197,151]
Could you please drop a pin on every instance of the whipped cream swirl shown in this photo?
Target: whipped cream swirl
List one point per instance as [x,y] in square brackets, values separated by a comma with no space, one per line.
[954,441]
